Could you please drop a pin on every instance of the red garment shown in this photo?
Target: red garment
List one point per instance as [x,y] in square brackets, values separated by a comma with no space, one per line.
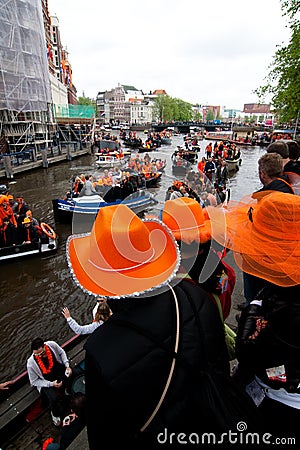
[201,165]
[225,298]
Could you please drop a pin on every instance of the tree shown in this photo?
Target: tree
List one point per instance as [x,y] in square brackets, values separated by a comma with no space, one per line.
[168,109]
[210,115]
[197,116]
[160,107]
[283,79]
[86,101]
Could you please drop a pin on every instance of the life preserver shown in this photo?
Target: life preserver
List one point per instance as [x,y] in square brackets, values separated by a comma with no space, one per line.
[47,230]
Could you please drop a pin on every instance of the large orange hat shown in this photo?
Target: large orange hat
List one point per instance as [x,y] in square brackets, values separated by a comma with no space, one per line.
[265,236]
[185,218]
[123,255]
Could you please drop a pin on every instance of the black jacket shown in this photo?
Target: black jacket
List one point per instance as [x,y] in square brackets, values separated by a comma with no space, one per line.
[278,184]
[278,343]
[222,176]
[292,166]
[129,359]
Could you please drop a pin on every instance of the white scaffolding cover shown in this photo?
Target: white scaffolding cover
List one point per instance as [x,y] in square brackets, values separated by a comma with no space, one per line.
[24,74]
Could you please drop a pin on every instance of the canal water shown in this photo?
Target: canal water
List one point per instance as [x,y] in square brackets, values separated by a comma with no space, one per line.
[33,291]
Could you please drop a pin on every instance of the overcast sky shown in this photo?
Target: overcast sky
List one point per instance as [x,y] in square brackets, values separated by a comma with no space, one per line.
[213,52]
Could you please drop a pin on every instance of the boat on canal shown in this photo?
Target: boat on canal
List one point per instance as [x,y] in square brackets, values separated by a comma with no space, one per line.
[226,136]
[67,209]
[25,420]
[166,140]
[149,178]
[180,167]
[46,245]
[233,165]
[111,160]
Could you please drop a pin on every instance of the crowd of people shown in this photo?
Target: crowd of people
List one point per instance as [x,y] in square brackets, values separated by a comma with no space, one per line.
[157,363]
[118,183]
[199,186]
[17,224]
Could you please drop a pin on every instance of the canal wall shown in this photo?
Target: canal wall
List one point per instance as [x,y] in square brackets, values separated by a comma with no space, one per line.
[15,163]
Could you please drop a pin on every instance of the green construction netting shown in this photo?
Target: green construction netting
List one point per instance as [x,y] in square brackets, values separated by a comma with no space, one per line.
[77,111]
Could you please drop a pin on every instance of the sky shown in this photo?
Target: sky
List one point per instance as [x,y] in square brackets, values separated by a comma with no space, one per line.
[212,52]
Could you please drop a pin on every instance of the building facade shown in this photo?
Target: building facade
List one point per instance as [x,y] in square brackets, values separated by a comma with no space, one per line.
[124,105]
[25,94]
[35,74]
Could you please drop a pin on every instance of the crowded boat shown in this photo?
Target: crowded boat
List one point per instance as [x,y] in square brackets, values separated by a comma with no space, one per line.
[21,234]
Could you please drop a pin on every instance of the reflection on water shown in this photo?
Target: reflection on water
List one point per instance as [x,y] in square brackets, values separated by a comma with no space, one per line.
[34,291]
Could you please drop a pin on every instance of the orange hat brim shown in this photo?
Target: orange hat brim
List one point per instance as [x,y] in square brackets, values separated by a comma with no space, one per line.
[113,283]
[265,244]
[186,220]
[199,234]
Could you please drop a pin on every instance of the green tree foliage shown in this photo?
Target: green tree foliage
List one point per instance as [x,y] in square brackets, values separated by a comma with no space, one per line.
[167,109]
[283,79]
[210,115]
[86,101]
[197,116]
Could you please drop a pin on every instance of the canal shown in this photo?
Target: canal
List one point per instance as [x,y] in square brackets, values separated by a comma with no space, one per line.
[34,291]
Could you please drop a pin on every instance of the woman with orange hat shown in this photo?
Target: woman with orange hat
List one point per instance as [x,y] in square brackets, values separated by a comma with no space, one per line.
[191,228]
[12,203]
[265,238]
[6,211]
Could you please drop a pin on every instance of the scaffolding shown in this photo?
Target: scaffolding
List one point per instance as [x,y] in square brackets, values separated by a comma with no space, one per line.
[26,118]
[74,111]
[24,80]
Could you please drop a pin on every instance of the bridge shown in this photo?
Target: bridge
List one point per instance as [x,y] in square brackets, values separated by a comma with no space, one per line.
[185,127]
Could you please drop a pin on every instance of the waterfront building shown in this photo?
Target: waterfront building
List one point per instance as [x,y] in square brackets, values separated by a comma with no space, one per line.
[259,113]
[124,104]
[36,86]
[25,94]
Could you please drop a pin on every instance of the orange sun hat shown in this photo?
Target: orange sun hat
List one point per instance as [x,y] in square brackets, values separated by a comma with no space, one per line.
[185,218]
[265,237]
[123,256]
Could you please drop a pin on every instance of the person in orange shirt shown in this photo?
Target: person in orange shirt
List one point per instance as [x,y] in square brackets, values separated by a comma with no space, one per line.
[225,152]
[107,179]
[6,211]
[201,164]
[208,150]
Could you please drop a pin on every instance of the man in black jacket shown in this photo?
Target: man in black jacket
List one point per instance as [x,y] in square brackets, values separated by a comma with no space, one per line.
[155,366]
[270,173]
